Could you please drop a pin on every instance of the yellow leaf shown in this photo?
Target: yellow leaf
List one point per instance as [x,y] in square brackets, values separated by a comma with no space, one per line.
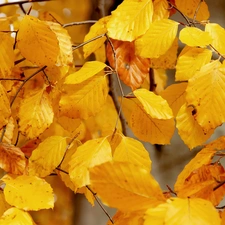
[175,96]
[28,192]
[97,29]
[132,151]
[15,216]
[47,156]
[183,211]
[167,60]
[12,159]
[8,137]
[193,36]
[130,20]
[160,10]
[88,70]
[125,186]
[154,105]
[158,39]
[35,113]
[6,54]
[37,35]
[206,91]
[5,110]
[188,128]
[218,35]
[190,61]
[191,7]
[3,204]
[90,154]
[85,99]
[65,56]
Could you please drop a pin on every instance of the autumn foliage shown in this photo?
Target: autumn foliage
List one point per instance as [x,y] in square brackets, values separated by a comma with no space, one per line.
[59,117]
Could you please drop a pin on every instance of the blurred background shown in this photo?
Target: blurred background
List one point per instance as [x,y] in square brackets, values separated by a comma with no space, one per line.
[168,161]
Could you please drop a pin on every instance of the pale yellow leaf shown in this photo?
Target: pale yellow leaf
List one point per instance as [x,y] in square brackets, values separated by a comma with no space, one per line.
[154,105]
[190,60]
[6,54]
[5,110]
[47,156]
[88,70]
[193,36]
[188,128]
[191,8]
[160,10]
[97,29]
[8,136]
[35,113]
[90,154]
[14,216]
[3,204]
[157,40]
[218,35]
[206,91]
[130,20]
[133,151]
[37,42]
[175,96]
[125,186]
[85,99]
[28,192]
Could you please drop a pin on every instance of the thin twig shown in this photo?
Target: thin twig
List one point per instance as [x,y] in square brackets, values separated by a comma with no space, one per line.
[19,61]
[61,170]
[22,2]
[22,8]
[99,203]
[79,23]
[219,185]
[46,76]
[171,191]
[220,207]
[196,11]
[218,53]
[152,80]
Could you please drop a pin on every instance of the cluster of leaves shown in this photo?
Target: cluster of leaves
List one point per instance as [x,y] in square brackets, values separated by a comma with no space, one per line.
[62,119]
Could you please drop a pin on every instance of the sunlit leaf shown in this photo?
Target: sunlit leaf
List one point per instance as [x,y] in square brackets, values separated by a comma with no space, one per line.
[132,151]
[28,192]
[90,154]
[8,136]
[190,60]
[206,91]
[125,186]
[3,204]
[12,159]
[88,70]
[97,29]
[189,130]
[35,113]
[160,10]
[130,20]
[85,99]
[6,54]
[15,216]
[218,35]
[193,36]
[47,156]
[175,96]
[158,39]
[37,35]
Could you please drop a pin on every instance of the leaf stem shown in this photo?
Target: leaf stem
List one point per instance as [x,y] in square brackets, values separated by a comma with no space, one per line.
[79,23]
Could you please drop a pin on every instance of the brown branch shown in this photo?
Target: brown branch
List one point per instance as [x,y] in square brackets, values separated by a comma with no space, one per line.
[197,9]
[22,2]
[221,183]
[79,23]
[152,86]
[171,191]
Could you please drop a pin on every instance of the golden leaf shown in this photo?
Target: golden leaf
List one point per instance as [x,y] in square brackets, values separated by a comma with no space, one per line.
[193,36]
[206,91]
[157,40]
[88,70]
[91,153]
[12,159]
[175,96]
[188,128]
[16,216]
[132,151]
[97,29]
[3,204]
[37,35]
[218,35]
[191,8]
[160,10]
[125,186]
[85,99]
[8,136]
[28,192]
[130,20]
[6,54]
[190,60]
[47,156]
[35,113]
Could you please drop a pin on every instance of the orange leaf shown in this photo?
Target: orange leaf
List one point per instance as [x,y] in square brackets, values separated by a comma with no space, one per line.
[132,69]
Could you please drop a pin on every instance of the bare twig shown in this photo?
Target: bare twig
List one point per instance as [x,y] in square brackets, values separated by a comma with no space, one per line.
[152,80]
[22,8]
[79,23]
[219,185]
[171,191]
[196,11]
[218,53]
[22,2]
[61,170]
[19,61]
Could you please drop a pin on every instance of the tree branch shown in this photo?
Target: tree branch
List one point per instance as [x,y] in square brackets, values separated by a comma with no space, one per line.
[79,23]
